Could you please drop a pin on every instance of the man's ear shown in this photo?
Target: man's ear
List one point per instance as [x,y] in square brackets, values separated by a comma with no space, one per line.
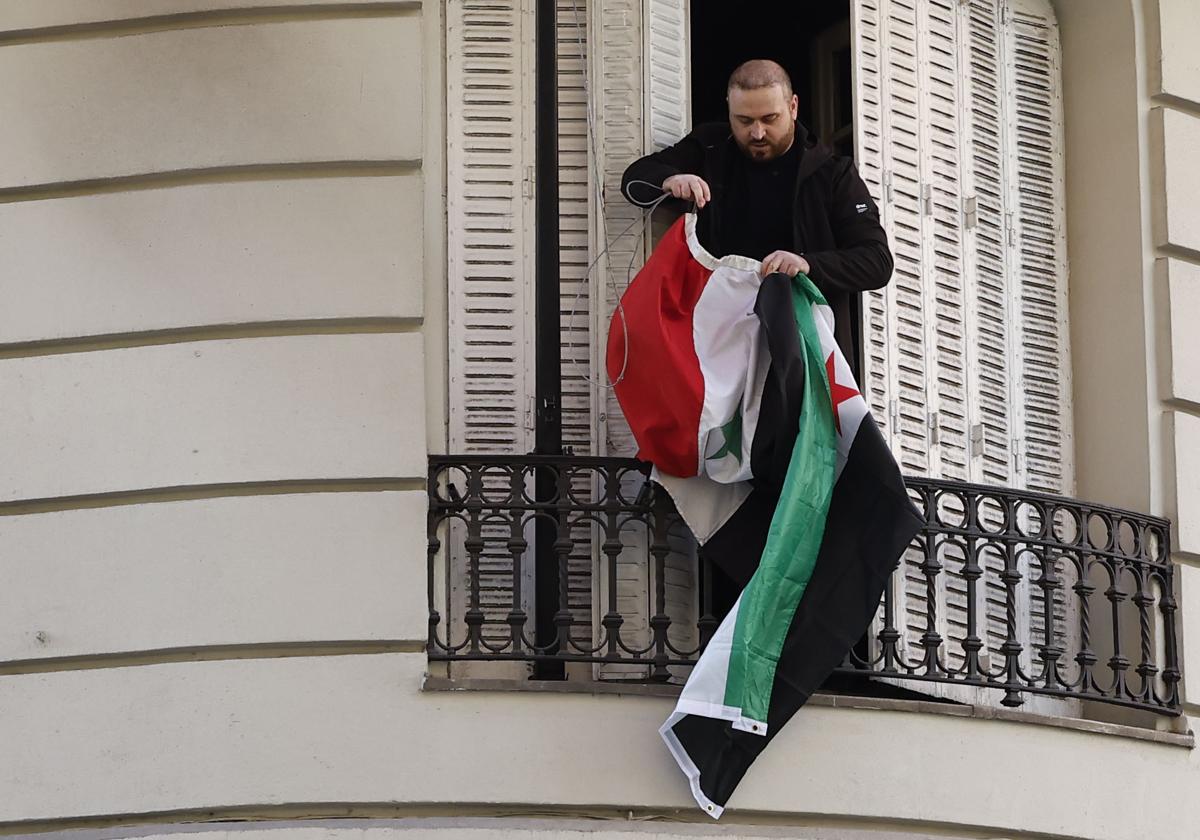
[794,106]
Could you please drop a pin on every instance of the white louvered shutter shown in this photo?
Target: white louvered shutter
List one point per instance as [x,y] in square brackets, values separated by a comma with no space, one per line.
[490,232]
[1020,424]
[668,116]
[869,75]
[941,107]
[617,74]
[490,246]
[946,363]
[1042,449]
[616,89]
[986,177]
[910,103]
[574,229]
[639,85]
[896,360]
[669,105]
[576,335]
[987,264]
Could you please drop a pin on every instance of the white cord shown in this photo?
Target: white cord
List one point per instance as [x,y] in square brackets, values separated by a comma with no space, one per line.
[647,209]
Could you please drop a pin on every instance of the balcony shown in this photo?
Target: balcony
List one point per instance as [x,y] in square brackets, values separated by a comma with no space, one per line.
[1003,594]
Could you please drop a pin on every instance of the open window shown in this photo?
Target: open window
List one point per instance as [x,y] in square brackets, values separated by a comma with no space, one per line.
[952,111]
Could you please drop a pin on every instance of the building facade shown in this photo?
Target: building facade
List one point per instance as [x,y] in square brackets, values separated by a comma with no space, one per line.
[261,262]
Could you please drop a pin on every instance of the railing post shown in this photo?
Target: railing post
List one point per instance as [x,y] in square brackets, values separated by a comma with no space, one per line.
[547,584]
[660,547]
[474,546]
[1171,674]
[611,547]
[1118,663]
[433,521]
[1011,647]
[517,546]
[1086,658]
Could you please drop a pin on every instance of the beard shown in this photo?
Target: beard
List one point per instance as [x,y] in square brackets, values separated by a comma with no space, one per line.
[766,149]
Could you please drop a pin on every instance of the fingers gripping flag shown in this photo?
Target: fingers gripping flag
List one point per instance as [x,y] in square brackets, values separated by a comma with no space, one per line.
[737,393]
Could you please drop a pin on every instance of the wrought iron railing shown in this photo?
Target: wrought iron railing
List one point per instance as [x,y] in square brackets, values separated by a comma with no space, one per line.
[1004,590]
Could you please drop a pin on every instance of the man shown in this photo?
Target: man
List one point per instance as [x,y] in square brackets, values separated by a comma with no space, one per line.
[765,190]
[805,540]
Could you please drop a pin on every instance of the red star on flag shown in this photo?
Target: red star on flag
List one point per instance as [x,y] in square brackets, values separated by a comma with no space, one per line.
[838,393]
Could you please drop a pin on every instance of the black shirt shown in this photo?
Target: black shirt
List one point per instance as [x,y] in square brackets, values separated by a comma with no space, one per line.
[758,208]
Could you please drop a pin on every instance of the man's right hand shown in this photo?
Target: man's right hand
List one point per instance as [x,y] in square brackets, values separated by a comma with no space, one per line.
[689,188]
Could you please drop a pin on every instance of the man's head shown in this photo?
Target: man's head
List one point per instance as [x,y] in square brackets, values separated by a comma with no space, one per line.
[762,109]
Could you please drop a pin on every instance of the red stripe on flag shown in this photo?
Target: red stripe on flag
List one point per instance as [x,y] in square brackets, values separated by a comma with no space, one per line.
[662,390]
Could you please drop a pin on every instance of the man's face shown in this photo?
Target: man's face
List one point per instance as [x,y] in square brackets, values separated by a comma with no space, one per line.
[763,121]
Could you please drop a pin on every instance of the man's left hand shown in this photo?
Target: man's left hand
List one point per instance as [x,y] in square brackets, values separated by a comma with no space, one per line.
[785,262]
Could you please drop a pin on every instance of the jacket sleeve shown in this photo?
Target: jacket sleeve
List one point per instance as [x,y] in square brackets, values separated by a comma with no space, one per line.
[862,259]
[685,156]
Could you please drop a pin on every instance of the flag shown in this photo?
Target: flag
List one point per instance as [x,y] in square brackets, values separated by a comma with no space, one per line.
[737,393]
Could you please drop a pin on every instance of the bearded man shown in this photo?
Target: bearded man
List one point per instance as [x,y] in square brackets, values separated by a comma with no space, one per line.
[764,189]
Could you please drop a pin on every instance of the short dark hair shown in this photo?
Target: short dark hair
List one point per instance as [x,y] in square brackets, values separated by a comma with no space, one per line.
[760,73]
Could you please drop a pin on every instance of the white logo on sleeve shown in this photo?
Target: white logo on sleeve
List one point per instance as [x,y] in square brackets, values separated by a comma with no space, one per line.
[861,208]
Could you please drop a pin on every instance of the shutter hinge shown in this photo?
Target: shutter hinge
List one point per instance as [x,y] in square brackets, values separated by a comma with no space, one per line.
[894,416]
[927,199]
[933,422]
[970,211]
[530,410]
[1016,455]
[976,440]
[1002,12]
[1010,228]
[527,183]
[887,187]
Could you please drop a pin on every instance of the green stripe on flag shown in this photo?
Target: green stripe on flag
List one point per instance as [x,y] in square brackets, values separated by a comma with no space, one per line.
[769,600]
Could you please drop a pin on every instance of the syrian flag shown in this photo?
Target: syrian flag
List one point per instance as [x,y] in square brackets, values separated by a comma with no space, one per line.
[737,393]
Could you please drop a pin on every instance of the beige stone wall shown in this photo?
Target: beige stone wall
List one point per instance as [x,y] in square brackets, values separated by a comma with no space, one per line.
[214,257]
[1132,94]
[354,735]
[1173,81]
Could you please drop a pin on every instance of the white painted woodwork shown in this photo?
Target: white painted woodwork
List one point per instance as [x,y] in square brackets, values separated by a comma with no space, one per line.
[966,363]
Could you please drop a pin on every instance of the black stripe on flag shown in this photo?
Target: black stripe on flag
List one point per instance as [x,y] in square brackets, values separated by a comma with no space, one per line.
[871,521]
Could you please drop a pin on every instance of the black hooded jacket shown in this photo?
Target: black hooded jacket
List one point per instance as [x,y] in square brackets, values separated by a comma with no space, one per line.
[835,223]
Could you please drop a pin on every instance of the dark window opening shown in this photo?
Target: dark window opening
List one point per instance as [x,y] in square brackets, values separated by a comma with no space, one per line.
[811,40]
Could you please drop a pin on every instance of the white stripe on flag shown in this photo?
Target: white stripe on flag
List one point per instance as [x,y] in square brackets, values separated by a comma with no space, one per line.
[704,695]
[705,505]
[852,411]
